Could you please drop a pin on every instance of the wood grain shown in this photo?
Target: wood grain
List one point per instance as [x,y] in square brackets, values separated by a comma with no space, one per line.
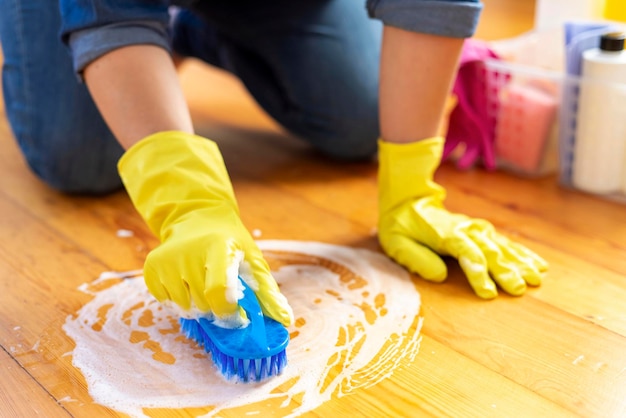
[556,352]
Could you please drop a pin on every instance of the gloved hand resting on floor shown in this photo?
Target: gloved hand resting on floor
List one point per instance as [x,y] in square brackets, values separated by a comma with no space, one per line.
[179,185]
[414,227]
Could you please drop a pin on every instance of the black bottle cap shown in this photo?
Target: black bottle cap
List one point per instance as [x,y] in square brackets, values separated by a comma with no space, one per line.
[613,41]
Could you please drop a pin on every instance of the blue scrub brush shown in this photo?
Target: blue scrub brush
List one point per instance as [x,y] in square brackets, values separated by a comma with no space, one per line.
[253,353]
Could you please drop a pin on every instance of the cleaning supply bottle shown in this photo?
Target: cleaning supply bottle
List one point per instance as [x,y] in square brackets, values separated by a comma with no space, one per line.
[600,148]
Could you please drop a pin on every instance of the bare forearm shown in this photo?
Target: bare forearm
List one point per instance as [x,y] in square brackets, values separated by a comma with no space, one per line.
[417,71]
[137,91]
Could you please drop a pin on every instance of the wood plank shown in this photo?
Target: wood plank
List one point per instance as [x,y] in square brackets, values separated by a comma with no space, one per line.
[43,294]
[430,388]
[505,19]
[516,338]
[22,396]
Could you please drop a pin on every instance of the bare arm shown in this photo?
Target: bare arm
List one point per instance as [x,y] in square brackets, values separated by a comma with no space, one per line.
[137,91]
[417,71]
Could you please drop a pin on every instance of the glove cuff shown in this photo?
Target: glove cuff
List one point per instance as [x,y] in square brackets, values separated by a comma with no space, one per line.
[168,173]
[406,171]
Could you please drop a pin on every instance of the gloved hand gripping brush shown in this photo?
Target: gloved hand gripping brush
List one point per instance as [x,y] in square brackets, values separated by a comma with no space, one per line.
[207,264]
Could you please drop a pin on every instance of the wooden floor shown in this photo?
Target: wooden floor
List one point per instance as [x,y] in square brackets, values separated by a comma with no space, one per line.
[558,351]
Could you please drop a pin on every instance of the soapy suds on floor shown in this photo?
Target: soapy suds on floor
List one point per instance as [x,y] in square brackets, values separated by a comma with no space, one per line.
[357,319]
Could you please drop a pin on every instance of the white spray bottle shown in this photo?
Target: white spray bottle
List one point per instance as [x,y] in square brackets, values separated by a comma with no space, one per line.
[600,149]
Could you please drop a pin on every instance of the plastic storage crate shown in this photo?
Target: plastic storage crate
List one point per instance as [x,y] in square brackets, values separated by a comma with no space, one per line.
[524,103]
[535,105]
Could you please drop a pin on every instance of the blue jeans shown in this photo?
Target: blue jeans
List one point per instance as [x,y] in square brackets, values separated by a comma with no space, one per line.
[315,73]
[311,64]
[57,126]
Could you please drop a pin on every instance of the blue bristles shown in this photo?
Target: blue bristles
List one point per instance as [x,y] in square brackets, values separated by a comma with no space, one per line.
[253,353]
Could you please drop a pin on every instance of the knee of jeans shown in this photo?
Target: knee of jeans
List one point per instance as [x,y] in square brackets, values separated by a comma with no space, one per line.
[75,171]
[352,136]
[67,179]
[352,141]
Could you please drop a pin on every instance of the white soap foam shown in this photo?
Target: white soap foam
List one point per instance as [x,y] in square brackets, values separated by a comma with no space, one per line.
[234,288]
[125,233]
[357,319]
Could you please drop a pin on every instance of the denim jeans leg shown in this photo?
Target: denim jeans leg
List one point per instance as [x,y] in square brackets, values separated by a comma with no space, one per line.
[452,18]
[54,120]
[311,64]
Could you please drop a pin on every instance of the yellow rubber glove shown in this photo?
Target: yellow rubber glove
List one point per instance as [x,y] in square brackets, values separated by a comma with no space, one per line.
[414,227]
[179,185]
